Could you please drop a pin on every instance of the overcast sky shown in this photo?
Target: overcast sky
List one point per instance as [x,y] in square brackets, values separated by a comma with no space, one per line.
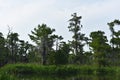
[24,15]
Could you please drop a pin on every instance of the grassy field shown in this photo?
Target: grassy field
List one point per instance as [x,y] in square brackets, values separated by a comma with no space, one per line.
[11,70]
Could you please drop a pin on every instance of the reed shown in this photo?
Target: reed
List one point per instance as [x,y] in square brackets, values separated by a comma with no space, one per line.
[37,69]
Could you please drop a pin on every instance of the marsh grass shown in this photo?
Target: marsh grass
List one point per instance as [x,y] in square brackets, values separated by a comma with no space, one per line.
[4,76]
[10,71]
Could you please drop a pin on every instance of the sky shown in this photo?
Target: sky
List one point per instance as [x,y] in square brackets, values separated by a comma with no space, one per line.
[22,16]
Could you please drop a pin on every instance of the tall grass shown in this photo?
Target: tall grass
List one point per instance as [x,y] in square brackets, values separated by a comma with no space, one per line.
[27,69]
[11,70]
[4,76]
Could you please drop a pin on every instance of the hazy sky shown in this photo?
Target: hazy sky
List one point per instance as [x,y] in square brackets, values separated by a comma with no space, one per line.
[24,15]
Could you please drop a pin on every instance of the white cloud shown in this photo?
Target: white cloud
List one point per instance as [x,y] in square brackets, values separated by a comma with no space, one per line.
[24,16]
[21,12]
[96,15]
[17,16]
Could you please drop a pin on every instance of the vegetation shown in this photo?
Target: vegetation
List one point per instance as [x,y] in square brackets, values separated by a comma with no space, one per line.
[14,71]
[55,56]
[78,38]
[100,47]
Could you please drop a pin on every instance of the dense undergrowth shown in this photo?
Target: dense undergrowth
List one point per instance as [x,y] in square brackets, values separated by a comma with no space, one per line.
[10,71]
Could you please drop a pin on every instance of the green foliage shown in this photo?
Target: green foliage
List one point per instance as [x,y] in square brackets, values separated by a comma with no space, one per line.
[79,39]
[75,27]
[42,36]
[51,49]
[3,51]
[60,56]
[88,58]
[115,43]
[7,77]
[36,69]
[99,47]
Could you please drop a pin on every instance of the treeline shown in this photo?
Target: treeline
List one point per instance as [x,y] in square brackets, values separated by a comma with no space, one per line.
[51,49]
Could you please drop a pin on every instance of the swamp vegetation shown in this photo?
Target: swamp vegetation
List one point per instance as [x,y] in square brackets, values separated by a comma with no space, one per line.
[51,56]
[36,71]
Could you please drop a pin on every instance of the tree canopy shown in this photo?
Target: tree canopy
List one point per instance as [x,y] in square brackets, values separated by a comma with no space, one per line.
[51,48]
